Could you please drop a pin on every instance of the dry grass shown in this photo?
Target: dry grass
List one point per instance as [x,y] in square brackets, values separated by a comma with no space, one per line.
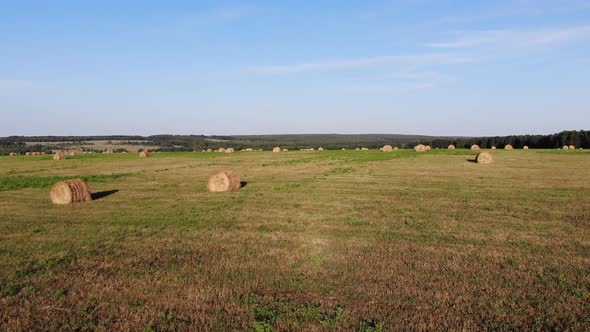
[70,191]
[484,158]
[338,240]
[223,181]
[420,147]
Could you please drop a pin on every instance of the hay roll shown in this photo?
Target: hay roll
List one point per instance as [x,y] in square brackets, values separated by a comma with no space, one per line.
[223,181]
[484,158]
[451,147]
[508,147]
[387,148]
[230,150]
[364,149]
[525,147]
[276,149]
[320,149]
[493,148]
[571,147]
[144,154]
[428,147]
[70,191]
[420,147]
[475,147]
[59,156]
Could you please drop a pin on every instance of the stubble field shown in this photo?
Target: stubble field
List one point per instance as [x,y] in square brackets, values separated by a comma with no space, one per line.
[319,241]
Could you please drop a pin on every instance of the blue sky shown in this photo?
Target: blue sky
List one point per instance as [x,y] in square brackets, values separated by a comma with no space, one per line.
[262,67]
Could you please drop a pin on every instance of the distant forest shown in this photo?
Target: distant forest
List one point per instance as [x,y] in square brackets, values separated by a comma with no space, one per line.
[19,144]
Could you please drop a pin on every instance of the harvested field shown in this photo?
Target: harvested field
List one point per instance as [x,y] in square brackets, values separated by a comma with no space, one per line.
[338,240]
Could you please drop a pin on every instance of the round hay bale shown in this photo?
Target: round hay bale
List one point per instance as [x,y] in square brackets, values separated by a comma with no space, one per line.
[428,147]
[364,149]
[221,150]
[484,158]
[27,154]
[230,150]
[248,149]
[12,154]
[387,148]
[508,147]
[420,148]
[343,149]
[209,150]
[493,148]
[223,181]
[451,147]
[358,149]
[565,147]
[395,148]
[59,156]
[276,149]
[525,147]
[475,147]
[571,147]
[144,154]
[320,149]
[70,191]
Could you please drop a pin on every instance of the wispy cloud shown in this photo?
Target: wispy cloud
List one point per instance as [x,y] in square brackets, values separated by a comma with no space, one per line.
[520,8]
[520,38]
[407,61]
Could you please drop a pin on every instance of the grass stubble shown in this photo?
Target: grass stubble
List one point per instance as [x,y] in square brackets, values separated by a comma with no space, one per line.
[331,240]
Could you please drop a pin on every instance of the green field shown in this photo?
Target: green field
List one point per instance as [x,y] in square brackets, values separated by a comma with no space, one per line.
[332,240]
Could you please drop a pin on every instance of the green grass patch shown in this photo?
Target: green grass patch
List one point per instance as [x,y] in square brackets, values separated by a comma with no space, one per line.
[21,182]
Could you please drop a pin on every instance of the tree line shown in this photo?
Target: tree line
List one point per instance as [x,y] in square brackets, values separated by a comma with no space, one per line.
[578,138]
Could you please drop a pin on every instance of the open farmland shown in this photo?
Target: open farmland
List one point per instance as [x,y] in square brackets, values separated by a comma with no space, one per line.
[331,240]
[97,145]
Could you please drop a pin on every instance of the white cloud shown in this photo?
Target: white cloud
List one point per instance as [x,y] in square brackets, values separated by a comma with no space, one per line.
[407,61]
[515,38]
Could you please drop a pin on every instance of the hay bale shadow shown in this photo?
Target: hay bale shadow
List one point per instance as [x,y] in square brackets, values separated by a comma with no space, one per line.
[472,160]
[243,184]
[102,194]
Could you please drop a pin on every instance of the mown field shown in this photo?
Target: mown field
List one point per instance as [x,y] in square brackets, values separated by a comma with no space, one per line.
[316,241]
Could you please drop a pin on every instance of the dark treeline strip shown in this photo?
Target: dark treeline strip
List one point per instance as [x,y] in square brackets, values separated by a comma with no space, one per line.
[579,139]
[328,141]
[17,139]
